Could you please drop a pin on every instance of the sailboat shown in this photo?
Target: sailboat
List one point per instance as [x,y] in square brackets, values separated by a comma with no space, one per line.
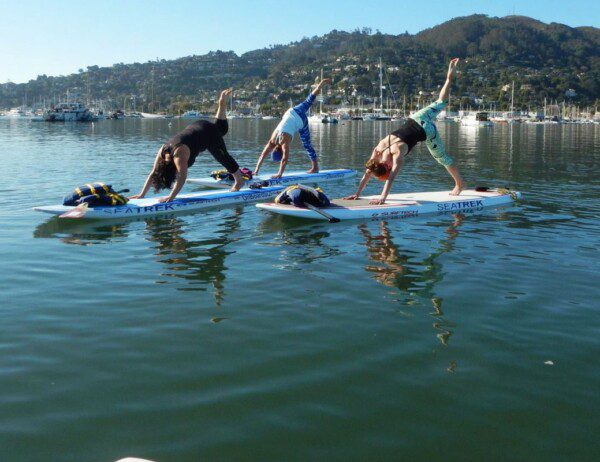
[378,114]
[232,114]
[507,117]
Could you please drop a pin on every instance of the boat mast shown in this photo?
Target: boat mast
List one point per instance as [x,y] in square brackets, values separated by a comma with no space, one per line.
[321,95]
[152,90]
[380,87]
[512,100]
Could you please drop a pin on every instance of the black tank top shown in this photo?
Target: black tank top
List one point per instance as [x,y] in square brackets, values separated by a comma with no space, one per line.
[199,136]
[411,133]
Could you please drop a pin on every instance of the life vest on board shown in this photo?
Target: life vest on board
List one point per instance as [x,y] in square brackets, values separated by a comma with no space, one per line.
[225,175]
[95,194]
[299,195]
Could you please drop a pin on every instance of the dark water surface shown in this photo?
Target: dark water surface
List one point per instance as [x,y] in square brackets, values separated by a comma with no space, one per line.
[235,335]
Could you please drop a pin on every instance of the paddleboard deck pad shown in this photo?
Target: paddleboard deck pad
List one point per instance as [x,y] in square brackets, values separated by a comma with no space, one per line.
[404,205]
[182,203]
[287,179]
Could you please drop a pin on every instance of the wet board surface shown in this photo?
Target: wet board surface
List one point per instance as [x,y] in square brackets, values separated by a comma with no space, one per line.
[286,179]
[183,203]
[404,205]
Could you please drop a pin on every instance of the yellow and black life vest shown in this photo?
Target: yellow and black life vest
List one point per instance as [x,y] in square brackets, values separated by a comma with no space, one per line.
[95,194]
[225,175]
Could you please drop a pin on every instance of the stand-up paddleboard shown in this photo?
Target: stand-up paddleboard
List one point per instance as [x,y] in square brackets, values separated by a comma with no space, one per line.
[287,178]
[400,205]
[182,203]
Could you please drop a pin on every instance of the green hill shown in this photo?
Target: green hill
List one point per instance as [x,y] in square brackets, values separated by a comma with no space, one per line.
[544,60]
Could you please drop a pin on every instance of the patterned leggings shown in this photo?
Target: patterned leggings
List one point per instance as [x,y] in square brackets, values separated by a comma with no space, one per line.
[426,118]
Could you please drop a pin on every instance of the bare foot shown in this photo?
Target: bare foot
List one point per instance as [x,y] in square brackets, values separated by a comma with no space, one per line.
[237,185]
[313,170]
[457,189]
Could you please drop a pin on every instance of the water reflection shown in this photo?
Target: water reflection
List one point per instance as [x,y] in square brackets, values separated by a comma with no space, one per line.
[400,268]
[299,241]
[81,232]
[200,262]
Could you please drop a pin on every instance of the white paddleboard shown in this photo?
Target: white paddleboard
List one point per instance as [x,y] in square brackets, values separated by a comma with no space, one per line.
[400,205]
[182,203]
[286,179]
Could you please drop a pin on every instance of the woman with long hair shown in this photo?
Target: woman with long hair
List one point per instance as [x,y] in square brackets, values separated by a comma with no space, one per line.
[179,153]
[388,156]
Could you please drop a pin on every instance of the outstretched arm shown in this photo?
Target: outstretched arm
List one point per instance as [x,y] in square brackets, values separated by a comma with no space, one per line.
[363,182]
[222,109]
[268,148]
[446,88]
[182,168]
[285,149]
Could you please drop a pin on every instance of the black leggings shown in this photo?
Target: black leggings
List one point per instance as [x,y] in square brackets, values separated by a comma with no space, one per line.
[219,152]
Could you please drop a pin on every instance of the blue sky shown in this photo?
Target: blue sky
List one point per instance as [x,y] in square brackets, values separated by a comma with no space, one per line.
[57,37]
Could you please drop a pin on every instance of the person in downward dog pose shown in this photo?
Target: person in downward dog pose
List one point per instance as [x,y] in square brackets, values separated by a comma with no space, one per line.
[294,120]
[388,156]
[179,153]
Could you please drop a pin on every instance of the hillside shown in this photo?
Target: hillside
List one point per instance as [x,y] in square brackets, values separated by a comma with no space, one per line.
[544,60]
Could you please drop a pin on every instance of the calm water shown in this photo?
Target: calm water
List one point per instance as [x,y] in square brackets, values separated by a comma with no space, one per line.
[234,335]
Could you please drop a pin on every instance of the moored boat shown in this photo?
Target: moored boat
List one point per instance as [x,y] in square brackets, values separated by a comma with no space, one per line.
[69,112]
[476,119]
[191,115]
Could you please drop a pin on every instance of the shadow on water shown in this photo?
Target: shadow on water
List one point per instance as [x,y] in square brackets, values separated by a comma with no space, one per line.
[399,268]
[198,261]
